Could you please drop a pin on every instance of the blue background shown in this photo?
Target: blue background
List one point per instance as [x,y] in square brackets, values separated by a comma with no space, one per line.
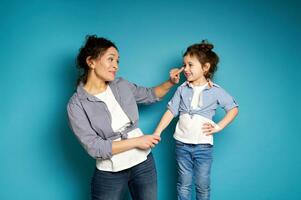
[256,157]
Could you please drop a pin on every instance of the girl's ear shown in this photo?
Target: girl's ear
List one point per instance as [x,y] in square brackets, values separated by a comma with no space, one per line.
[90,62]
[206,67]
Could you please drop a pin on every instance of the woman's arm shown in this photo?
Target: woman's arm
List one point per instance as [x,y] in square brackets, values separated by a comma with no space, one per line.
[165,120]
[162,90]
[142,142]
[209,129]
[96,146]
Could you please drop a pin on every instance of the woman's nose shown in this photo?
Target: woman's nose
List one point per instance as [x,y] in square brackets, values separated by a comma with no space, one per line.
[116,66]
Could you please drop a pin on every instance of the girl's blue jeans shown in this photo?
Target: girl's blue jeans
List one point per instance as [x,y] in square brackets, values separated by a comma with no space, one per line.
[193,166]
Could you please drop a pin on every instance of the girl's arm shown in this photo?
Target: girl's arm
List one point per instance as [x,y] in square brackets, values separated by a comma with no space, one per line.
[209,129]
[165,120]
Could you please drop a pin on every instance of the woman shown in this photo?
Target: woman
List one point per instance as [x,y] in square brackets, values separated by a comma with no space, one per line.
[103,115]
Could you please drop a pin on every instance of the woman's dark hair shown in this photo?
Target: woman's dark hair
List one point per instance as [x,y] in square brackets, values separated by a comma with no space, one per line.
[93,47]
[203,52]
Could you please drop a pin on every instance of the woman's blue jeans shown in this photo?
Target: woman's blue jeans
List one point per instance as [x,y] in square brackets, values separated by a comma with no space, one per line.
[193,165]
[140,179]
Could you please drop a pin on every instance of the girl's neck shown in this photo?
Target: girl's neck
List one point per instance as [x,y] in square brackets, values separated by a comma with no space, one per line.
[95,85]
[200,81]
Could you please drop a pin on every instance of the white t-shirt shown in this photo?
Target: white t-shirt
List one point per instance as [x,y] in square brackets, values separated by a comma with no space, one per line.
[126,159]
[119,118]
[197,98]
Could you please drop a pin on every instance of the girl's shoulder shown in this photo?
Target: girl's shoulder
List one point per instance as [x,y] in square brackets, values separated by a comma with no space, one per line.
[218,90]
[216,87]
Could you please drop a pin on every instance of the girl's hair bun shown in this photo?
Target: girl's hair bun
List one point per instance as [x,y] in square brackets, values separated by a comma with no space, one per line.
[205,46]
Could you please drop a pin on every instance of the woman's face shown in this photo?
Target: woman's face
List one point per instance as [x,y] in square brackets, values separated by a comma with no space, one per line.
[106,65]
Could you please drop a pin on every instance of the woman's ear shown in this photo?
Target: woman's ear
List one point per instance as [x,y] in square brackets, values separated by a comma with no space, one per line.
[90,62]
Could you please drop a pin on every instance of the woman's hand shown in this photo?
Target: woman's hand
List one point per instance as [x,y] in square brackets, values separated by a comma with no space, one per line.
[147,141]
[209,129]
[174,75]
[174,78]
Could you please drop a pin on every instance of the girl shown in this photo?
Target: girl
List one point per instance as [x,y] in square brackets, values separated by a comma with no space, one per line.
[196,101]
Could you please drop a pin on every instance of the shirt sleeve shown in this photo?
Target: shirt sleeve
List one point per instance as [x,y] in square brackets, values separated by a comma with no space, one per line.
[174,104]
[225,100]
[96,146]
[143,95]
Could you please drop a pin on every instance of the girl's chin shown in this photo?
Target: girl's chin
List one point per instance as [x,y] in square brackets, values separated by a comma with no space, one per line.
[189,79]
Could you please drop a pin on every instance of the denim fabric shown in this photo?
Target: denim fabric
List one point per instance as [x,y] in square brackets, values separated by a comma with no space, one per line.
[141,180]
[212,98]
[193,166]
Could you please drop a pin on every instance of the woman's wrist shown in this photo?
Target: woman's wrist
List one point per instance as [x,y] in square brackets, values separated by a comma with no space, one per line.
[171,82]
[134,142]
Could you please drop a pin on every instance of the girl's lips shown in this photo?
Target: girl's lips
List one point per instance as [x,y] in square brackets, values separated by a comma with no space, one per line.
[187,74]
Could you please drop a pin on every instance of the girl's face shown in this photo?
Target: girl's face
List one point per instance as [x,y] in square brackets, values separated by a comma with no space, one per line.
[105,66]
[193,69]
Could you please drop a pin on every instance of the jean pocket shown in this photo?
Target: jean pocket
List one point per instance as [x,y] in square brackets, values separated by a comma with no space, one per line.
[179,144]
[206,146]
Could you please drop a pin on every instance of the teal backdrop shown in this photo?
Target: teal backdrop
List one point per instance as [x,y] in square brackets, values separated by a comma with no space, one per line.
[256,158]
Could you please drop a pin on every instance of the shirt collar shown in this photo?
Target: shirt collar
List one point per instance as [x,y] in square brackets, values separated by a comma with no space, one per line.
[83,94]
[208,86]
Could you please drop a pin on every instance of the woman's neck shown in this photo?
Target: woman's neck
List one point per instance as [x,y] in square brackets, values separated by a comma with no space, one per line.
[95,85]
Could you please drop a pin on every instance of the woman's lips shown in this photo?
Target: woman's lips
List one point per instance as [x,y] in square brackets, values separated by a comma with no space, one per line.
[113,73]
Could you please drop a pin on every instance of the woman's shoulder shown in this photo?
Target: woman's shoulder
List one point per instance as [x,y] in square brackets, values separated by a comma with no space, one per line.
[119,80]
[74,100]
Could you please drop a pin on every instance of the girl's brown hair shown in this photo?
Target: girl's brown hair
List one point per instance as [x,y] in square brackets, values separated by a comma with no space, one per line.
[203,52]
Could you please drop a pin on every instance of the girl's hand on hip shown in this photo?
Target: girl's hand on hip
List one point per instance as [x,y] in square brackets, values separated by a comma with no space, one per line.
[209,129]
